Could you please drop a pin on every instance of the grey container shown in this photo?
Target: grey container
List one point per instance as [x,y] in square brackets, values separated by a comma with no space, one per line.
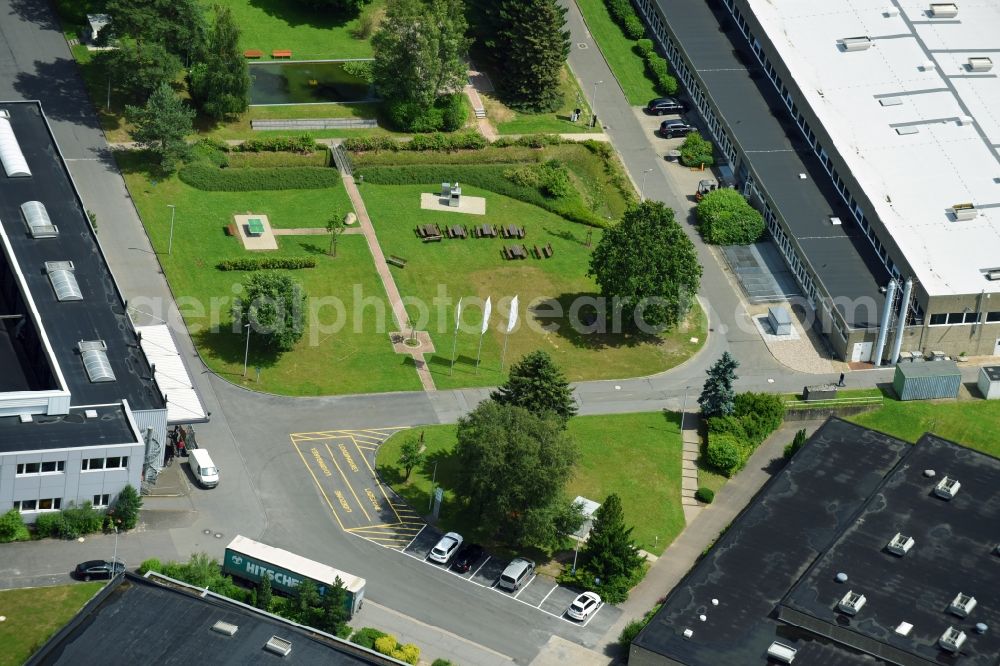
[926,381]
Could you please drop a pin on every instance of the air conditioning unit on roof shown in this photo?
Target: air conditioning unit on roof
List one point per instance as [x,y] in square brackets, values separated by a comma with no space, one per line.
[856,43]
[947,488]
[900,544]
[852,602]
[944,10]
[952,639]
[962,605]
[781,652]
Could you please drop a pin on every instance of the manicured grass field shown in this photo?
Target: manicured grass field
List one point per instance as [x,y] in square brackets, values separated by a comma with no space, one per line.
[508,121]
[34,614]
[311,33]
[474,269]
[972,423]
[637,456]
[625,63]
[325,361]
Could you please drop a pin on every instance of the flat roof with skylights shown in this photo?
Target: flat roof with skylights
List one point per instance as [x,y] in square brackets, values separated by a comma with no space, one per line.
[909,96]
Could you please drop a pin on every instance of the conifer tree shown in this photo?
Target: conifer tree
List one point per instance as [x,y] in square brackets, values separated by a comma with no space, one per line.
[221,84]
[530,45]
[717,396]
[537,384]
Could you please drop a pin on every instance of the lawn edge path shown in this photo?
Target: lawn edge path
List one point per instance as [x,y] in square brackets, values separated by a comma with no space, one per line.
[385,275]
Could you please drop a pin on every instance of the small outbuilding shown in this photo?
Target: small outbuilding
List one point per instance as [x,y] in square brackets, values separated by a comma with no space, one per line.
[95,24]
[779,320]
[926,381]
[989,382]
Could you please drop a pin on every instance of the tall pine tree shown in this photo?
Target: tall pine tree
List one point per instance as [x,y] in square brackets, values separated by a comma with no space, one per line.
[530,44]
[537,384]
[221,84]
[717,396]
[610,554]
[162,125]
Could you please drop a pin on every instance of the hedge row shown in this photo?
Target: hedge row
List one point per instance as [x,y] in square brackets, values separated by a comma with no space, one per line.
[265,263]
[276,144]
[212,179]
[624,15]
[657,69]
[733,438]
[447,142]
[725,218]
[486,176]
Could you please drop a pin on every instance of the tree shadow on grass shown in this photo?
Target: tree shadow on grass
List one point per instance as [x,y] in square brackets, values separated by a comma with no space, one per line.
[567,235]
[40,13]
[576,318]
[231,347]
[299,14]
[58,85]
[143,162]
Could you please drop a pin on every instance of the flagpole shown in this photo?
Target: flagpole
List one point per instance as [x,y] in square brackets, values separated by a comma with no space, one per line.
[479,353]
[487,308]
[504,357]
[454,342]
[511,322]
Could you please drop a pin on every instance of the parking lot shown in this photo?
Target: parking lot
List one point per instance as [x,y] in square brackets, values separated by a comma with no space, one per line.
[539,592]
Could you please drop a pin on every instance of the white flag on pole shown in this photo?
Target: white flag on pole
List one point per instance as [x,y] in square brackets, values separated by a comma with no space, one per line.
[512,322]
[487,309]
[458,315]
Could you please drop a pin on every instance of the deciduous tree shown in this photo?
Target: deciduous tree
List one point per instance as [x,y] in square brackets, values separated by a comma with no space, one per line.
[537,384]
[162,125]
[137,69]
[178,25]
[514,466]
[411,455]
[725,218]
[274,305]
[220,85]
[647,267]
[530,44]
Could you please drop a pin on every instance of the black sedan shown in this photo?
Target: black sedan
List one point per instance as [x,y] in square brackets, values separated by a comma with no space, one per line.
[467,557]
[98,569]
[662,105]
[674,128]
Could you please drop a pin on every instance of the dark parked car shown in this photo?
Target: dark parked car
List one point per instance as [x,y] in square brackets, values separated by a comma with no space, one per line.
[467,557]
[674,128]
[662,105]
[99,569]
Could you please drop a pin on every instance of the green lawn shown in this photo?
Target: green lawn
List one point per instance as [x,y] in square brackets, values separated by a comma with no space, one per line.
[973,423]
[508,121]
[625,63]
[473,268]
[34,614]
[328,359]
[240,128]
[311,33]
[637,456]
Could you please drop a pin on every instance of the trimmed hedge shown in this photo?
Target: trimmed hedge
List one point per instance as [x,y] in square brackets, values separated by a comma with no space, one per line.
[624,15]
[696,151]
[420,142]
[265,263]
[487,176]
[726,453]
[706,495]
[212,179]
[276,144]
[656,67]
[725,218]
[733,438]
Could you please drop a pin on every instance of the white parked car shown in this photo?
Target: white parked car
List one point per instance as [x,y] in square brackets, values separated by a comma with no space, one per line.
[446,548]
[584,606]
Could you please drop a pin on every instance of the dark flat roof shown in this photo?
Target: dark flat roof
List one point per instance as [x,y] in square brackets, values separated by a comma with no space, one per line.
[101,314]
[797,514]
[66,431]
[137,621]
[992,372]
[841,256]
[952,552]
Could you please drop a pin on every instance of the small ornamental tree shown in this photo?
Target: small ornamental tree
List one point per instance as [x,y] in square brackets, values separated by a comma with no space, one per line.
[725,218]
[537,384]
[411,455]
[333,618]
[138,69]
[125,512]
[274,306]
[717,395]
[335,226]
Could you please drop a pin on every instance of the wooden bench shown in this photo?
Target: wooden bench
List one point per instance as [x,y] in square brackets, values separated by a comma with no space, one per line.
[281,53]
[547,250]
[396,261]
[538,253]
[432,239]
[253,53]
[231,229]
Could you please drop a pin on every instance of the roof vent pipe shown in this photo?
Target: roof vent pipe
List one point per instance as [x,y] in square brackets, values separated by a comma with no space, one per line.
[904,307]
[883,329]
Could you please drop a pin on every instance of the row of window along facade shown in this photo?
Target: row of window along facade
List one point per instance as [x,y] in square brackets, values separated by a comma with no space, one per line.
[101,501]
[59,466]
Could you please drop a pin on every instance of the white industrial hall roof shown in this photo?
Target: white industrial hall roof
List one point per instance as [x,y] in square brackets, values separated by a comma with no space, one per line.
[916,117]
[183,403]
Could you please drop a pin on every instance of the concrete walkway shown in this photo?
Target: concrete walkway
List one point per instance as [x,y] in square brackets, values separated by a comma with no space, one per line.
[690,449]
[385,275]
[682,554]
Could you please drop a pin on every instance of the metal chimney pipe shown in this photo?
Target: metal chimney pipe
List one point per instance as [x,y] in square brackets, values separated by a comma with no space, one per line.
[897,343]
[883,329]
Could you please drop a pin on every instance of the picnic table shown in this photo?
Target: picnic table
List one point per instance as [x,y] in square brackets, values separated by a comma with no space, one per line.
[486,231]
[456,231]
[255,227]
[429,230]
[516,252]
[512,231]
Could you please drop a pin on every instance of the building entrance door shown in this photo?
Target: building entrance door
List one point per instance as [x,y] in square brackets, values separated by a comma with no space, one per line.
[862,352]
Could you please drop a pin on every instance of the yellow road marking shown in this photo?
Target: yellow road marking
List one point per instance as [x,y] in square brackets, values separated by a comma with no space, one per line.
[380,486]
[344,476]
[384,526]
[316,481]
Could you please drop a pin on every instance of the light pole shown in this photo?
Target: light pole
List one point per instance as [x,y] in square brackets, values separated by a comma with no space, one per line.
[108,107]
[684,410]
[642,188]
[114,558]
[593,100]
[246,352]
[170,243]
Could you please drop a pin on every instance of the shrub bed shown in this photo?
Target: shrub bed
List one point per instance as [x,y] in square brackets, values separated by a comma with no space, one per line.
[488,177]
[725,218]
[733,438]
[265,263]
[212,179]
[696,151]
[12,527]
[275,144]
[319,158]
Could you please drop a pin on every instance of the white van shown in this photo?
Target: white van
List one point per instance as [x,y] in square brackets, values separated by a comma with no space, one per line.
[204,470]
[516,573]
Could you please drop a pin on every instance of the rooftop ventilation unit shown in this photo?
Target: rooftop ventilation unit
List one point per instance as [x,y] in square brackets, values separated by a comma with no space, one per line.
[63,280]
[907,129]
[993,274]
[281,647]
[90,413]
[900,544]
[964,211]
[928,65]
[852,602]
[781,652]
[855,43]
[835,221]
[944,10]
[962,605]
[980,64]
[11,156]
[952,639]
[947,488]
[95,360]
[688,633]
[890,101]
[904,628]
[225,628]
[37,219]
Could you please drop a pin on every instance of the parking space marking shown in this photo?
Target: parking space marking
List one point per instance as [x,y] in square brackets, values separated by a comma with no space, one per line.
[318,485]
[480,568]
[593,615]
[414,538]
[346,482]
[546,597]
[526,586]
[381,487]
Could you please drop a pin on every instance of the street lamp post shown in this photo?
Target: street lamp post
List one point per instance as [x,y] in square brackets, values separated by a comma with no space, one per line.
[684,410]
[593,100]
[642,188]
[170,243]
[114,558]
[246,352]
